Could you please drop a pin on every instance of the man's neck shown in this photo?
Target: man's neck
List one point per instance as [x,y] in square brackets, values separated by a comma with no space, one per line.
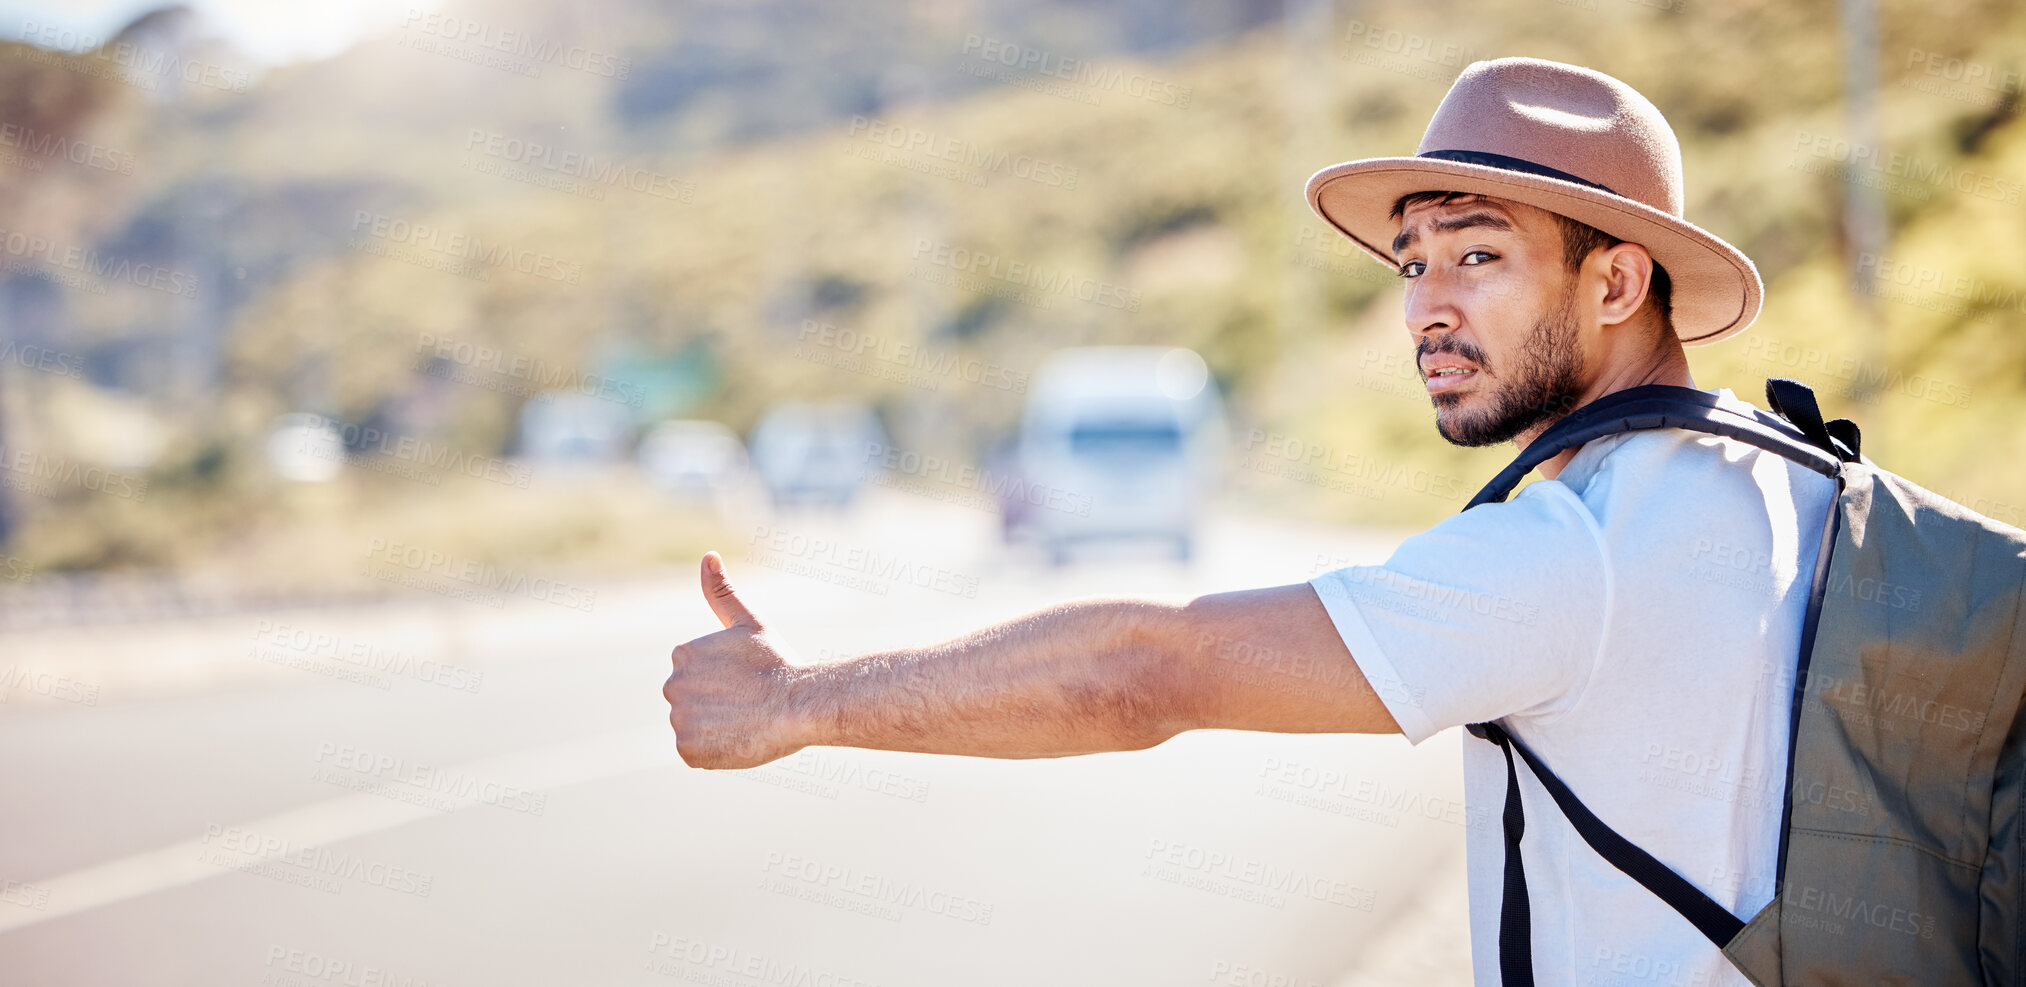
[1666,365]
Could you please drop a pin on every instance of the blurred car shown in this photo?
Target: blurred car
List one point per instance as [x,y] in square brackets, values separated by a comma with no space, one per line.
[305,448]
[1118,442]
[691,457]
[565,428]
[1002,475]
[815,452]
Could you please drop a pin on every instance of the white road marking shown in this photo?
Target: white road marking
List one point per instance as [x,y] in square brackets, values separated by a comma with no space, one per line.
[322,824]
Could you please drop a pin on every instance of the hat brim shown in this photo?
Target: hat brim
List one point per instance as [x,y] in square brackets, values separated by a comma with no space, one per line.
[1716,288]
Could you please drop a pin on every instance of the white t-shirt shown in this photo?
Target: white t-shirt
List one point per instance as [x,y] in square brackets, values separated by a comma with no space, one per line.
[1635,622]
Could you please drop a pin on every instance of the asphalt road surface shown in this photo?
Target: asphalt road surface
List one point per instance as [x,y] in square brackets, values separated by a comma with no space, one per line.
[449,792]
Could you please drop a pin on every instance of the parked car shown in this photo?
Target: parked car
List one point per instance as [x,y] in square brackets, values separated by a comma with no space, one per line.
[1122,442]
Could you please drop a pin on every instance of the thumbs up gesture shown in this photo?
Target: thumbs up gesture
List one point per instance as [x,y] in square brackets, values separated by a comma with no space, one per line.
[728,695]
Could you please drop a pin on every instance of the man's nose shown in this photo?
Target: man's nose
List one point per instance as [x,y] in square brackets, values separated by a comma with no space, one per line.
[1430,305]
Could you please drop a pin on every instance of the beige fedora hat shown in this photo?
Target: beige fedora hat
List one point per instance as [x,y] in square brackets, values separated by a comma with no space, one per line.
[1572,141]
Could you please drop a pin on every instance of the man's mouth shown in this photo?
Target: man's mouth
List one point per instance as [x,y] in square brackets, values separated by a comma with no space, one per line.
[1439,379]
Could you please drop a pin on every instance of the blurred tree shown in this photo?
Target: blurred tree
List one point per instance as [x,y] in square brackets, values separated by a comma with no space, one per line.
[49,101]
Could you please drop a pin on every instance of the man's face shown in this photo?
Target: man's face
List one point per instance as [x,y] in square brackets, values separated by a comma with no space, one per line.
[1494,314]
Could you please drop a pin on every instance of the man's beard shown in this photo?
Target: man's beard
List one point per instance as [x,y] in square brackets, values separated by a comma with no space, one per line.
[1544,386]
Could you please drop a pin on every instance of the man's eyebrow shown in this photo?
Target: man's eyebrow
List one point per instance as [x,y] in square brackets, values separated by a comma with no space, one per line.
[1450,224]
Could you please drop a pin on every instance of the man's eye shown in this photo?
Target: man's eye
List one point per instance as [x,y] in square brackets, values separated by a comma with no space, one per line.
[1486,254]
[1411,269]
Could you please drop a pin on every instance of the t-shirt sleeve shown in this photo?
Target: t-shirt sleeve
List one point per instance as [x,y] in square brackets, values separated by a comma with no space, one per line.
[1497,611]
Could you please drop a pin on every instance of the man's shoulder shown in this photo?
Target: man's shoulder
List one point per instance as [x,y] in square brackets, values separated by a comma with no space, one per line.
[1545,524]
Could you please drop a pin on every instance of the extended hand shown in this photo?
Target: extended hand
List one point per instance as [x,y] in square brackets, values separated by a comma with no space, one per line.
[728,693]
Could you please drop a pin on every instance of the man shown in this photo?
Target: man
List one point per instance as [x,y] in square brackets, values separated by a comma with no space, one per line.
[1633,616]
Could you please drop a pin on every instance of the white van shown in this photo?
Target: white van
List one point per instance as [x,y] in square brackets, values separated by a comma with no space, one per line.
[1121,442]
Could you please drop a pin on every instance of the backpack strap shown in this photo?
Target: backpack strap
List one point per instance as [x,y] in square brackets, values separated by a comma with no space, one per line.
[1797,433]
[1711,919]
[1795,402]
[1515,911]
[1667,406]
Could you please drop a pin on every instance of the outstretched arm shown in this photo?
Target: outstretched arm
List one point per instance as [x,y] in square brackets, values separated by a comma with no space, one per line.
[1079,678]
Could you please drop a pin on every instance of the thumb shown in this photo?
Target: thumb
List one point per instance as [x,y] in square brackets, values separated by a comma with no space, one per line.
[718,591]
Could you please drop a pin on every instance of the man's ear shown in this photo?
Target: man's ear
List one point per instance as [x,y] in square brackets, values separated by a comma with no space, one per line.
[1628,274]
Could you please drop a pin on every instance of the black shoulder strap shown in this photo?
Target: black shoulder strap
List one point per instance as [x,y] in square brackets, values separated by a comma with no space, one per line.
[1797,433]
[1795,402]
[1666,406]
[1708,917]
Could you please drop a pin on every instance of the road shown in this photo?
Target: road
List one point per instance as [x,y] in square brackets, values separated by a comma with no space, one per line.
[445,792]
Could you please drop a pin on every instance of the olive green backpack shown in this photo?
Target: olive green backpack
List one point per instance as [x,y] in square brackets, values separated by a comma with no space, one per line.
[1903,844]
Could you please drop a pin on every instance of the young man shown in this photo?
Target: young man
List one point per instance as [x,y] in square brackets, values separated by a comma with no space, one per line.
[1633,616]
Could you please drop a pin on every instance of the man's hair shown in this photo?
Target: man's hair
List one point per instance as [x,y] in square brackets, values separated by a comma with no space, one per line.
[1578,240]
